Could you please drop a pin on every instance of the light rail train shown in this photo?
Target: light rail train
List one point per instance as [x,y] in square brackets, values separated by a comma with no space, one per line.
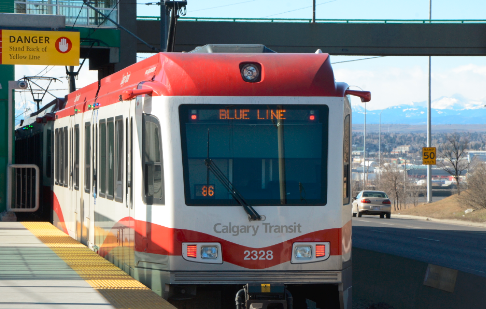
[202,173]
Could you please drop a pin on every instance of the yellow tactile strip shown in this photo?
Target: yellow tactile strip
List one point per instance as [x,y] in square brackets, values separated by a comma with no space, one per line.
[121,290]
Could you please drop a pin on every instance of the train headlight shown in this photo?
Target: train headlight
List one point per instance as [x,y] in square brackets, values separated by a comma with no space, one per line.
[309,252]
[209,252]
[250,72]
[303,252]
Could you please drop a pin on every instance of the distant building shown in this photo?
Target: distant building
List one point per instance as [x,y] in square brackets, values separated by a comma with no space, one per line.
[358,176]
[402,149]
[477,155]
[370,163]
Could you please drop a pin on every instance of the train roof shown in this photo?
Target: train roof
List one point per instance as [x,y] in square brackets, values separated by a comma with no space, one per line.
[38,116]
[213,74]
[232,48]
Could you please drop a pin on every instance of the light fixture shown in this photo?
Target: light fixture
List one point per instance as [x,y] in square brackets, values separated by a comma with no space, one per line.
[310,252]
[303,252]
[209,252]
[251,72]
[320,251]
[192,251]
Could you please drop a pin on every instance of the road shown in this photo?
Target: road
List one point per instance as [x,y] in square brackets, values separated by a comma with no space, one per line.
[453,246]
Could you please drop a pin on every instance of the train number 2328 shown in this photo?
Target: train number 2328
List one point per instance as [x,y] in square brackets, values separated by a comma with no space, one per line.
[258,255]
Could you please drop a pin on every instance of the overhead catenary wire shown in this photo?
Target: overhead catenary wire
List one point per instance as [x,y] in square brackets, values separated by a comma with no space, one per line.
[302,8]
[358,59]
[79,13]
[222,6]
[118,25]
[25,111]
[42,70]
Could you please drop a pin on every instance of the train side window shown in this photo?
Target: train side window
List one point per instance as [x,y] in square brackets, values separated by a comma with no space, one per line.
[110,127]
[66,157]
[346,159]
[129,158]
[56,160]
[87,153]
[153,161]
[95,156]
[66,163]
[48,153]
[76,157]
[61,156]
[71,157]
[102,170]
[119,159]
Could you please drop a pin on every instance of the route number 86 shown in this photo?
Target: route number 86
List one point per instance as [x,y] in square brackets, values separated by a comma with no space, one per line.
[258,255]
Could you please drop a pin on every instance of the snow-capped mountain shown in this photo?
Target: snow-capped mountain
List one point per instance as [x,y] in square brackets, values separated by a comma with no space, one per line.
[445,110]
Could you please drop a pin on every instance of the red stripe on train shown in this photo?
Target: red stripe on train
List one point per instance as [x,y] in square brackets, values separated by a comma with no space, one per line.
[58,211]
[156,239]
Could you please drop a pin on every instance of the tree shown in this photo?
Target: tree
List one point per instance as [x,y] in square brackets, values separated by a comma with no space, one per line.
[475,196]
[391,182]
[414,191]
[452,155]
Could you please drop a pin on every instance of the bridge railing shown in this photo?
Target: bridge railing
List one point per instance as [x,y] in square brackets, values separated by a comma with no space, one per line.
[340,21]
[77,14]
[23,187]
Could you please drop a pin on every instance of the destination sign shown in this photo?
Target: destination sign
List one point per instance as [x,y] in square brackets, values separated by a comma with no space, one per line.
[253,115]
[39,47]
[246,114]
[203,191]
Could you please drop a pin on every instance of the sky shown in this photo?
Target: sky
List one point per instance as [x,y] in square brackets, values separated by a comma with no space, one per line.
[392,80]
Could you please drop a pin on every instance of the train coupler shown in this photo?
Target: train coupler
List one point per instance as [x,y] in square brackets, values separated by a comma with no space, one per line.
[264,296]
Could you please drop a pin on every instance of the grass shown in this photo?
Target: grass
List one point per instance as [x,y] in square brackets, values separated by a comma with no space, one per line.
[448,208]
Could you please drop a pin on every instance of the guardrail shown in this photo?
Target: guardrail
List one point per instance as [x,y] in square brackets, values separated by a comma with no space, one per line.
[340,21]
[75,11]
[23,189]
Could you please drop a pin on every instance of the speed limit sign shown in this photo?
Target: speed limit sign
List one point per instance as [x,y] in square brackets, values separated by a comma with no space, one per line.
[429,155]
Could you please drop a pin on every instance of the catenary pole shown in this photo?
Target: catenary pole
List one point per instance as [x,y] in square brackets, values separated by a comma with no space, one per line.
[364,150]
[163,26]
[379,141]
[313,11]
[429,121]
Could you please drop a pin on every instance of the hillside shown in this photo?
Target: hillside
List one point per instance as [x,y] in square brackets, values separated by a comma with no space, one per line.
[448,208]
[445,111]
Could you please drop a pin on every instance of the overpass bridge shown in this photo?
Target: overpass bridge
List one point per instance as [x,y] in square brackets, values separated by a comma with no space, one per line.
[337,37]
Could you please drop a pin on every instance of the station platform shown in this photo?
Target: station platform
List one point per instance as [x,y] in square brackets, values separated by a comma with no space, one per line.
[41,267]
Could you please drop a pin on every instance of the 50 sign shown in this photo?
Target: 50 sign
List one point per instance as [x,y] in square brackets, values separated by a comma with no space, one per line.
[429,155]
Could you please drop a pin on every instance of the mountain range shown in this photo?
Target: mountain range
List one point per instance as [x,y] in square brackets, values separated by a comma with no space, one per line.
[445,110]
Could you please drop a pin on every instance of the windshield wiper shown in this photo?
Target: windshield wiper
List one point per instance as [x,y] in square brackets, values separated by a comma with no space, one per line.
[252,214]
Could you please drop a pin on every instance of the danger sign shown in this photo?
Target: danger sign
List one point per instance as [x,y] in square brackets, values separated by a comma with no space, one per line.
[39,47]
[63,45]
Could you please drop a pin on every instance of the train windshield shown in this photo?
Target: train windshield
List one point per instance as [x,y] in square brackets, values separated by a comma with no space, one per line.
[271,154]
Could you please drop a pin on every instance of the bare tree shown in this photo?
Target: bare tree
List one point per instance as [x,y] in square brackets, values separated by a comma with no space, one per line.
[357,187]
[391,181]
[475,196]
[453,156]
[414,191]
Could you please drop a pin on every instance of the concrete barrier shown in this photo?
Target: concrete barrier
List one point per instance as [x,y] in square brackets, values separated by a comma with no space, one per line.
[405,283]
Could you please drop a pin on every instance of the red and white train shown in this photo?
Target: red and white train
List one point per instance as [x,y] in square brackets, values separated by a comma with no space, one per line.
[198,173]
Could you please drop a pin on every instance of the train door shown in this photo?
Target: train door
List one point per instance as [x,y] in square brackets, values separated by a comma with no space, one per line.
[94,176]
[87,146]
[73,176]
[129,256]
